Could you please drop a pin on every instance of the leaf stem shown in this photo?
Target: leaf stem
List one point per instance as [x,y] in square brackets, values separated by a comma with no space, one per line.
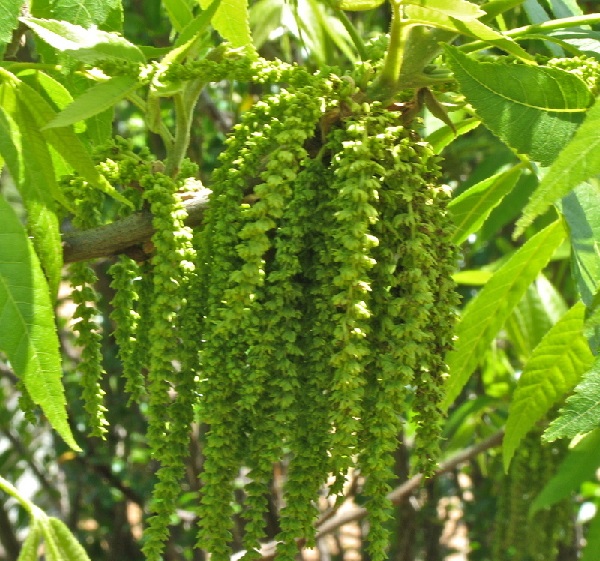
[560,23]
[387,82]
[11,490]
[349,27]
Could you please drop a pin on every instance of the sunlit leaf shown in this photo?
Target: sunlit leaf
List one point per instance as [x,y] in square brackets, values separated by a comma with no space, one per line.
[472,207]
[9,14]
[552,371]
[232,21]
[107,15]
[579,465]
[578,162]
[539,309]
[179,13]
[534,110]
[31,344]
[487,312]
[581,412]
[443,136]
[86,45]
[98,98]
[466,25]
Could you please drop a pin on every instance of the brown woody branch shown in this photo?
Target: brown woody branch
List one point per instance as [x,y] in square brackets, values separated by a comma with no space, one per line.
[124,236]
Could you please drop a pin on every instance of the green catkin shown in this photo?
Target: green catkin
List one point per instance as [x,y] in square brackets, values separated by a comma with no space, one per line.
[245,314]
[517,536]
[88,203]
[584,67]
[170,389]
[125,274]
[83,278]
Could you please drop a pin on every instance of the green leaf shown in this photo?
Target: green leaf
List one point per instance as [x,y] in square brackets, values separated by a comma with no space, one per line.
[86,45]
[232,21]
[9,18]
[107,14]
[581,412]
[98,98]
[539,309]
[39,190]
[451,8]
[592,539]
[198,25]
[496,7]
[31,343]
[63,139]
[358,5]
[487,312]
[534,110]
[443,136]
[579,465]
[10,145]
[179,13]
[472,207]
[578,162]
[553,370]
[450,20]
[582,214]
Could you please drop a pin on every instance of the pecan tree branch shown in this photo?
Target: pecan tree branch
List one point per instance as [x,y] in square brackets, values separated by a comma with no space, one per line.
[124,236]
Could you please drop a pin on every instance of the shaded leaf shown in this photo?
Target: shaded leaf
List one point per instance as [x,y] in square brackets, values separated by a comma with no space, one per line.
[31,344]
[98,98]
[592,539]
[581,412]
[578,162]
[472,207]
[534,110]
[579,465]
[554,368]
[487,312]
[86,45]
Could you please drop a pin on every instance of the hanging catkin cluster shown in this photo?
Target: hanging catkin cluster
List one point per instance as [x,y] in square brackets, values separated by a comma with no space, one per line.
[307,318]
[329,306]
[519,536]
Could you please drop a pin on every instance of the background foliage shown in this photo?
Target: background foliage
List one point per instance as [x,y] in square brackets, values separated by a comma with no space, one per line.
[509,106]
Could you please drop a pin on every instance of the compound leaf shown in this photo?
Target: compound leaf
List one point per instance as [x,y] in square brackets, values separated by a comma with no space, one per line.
[578,162]
[31,343]
[553,370]
[487,312]
[579,465]
[471,208]
[581,412]
[534,110]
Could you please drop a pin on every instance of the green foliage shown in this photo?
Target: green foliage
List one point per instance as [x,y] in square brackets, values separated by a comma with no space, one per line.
[553,370]
[31,343]
[488,311]
[535,110]
[578,162]
[297,338]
